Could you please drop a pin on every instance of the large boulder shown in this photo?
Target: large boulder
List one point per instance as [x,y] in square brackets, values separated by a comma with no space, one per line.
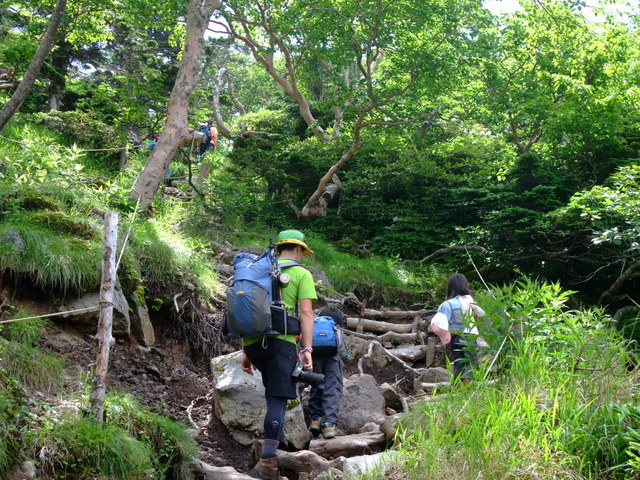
[362,403]
[86,321]
[239,403]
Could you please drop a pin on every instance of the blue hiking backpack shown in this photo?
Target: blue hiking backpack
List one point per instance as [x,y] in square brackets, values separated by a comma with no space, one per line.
[254,304]
[328,339]
[325,337]
[461,320]
[206,129]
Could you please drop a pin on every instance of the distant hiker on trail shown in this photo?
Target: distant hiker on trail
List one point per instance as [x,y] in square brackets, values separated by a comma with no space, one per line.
[455,323]
[275,356]
[153,141]
[210,137]
[324,403]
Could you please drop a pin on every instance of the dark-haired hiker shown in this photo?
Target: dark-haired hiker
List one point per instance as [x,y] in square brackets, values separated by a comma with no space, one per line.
[324,403]
[275,357]
[455,322]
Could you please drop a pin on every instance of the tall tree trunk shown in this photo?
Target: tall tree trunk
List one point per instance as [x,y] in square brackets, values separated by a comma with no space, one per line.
[176,132]
[14,103]
[60,62]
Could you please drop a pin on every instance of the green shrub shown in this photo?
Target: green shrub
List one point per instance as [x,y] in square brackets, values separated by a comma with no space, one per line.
[78,127]
[562,406]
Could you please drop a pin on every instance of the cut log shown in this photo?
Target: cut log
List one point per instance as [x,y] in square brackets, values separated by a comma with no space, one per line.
[394,337]
[395,314]
[391,337]
[209,472]
[431,352]
[416,324]
[377,326]
[307,461]
[432,387]
[349,445]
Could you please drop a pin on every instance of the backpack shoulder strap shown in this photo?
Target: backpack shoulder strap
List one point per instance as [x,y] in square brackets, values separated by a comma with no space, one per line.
[289,263]
[455,306]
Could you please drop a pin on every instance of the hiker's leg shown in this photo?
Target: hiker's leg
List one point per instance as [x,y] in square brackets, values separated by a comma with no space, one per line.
[459,357]
[332,389]
[315,402]
[273,425]
[462,358]
[315,394]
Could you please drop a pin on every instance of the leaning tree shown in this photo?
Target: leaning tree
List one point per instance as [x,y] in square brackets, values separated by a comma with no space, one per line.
[176,131]
[379,63]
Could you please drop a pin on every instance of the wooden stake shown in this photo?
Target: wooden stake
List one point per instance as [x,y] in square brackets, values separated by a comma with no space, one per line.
[105,323]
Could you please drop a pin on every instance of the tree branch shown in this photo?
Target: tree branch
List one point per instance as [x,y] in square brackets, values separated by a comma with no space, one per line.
[455,248]
[617,285]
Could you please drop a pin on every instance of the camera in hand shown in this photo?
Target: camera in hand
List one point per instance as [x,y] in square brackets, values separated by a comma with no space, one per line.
[300,375]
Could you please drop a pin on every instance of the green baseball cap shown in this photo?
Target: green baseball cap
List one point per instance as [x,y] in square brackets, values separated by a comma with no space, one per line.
[293,236]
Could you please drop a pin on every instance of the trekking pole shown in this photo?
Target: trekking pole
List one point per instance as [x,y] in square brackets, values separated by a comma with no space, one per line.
[275,274]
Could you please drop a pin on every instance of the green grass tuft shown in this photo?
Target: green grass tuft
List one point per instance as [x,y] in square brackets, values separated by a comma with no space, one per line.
[174,448]
[12,404]
[27,331]
[81,448]
[53,260]
[31,366]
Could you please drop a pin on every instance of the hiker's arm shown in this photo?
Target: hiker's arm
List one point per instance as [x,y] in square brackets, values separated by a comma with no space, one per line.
[306,328]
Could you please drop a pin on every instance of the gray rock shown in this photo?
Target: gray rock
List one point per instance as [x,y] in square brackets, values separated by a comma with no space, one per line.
[14,239]
[361,404]
[24,471]
[141,326]
[363,465]
[238,401]
[87,321]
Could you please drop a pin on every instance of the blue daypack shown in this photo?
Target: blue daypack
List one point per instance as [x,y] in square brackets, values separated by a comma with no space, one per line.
[460,319]
[254,307]
[326,337]
[207,132]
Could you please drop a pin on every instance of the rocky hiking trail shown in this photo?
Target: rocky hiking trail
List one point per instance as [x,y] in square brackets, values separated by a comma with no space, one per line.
[394,361]
[177,362]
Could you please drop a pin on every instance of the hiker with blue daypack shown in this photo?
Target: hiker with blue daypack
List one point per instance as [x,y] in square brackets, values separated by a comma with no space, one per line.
[275,356]
[210,137]
[455,323]
[324,403]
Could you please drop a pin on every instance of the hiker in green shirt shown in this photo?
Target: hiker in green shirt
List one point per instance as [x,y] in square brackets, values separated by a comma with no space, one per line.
[275,356]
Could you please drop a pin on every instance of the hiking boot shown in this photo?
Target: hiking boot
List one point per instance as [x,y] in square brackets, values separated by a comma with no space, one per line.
[315,427]
[328,430]
[267,469]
